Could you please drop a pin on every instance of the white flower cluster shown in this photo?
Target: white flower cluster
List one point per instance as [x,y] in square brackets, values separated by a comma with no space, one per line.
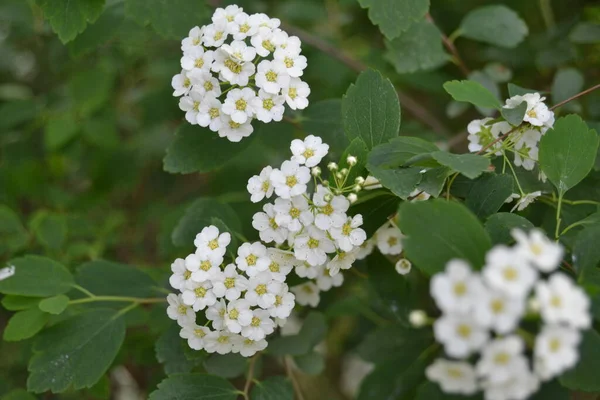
[476,306]
[524,141]
[239,68]
[243,301]
[313,228]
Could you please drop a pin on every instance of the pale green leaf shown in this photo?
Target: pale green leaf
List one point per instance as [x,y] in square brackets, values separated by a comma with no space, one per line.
[60,130]
[105,278]
[68,18]
[13,235]
[37,277]
[394,17]
[18,303]
[514,116]
[169,349]
[54,305]
[50,229]
[470,165]
[494,24]
[584,377]
[585,32]
[194,387]
[401,181]
[226,365]
[399,151]
[472,92]
[25,324]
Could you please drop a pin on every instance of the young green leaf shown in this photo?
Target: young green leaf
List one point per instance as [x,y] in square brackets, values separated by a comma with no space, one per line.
[438,231]
[470,165]
[498,226]
[376,209]
[489,193]
[25,324]
[37,277]
[69,18]
[18,303]
[472,92]
[433,180]
[494,24]
[105,278]
[101,31]
[54,305]
[568,152]
[171,19]
[76,352]
[399,151]
[50,229]
[194,387]
[226,365]
[395,17]
[273,388]
[401,181]
[371,110]
[514,116]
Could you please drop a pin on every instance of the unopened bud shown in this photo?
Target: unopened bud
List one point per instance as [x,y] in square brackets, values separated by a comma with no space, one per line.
[534,305]
[325,183]
[351,160]
[344,171]
[339,175]
[332,166]
[417,318]
[359,180]
[352,197]
[357,188]
[328,197]
[403,266]
[315,171]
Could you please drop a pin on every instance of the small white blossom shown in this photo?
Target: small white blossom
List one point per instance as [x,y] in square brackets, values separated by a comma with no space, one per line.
[291,60]
[233,69]
[417,318]
[307,294]
[203,265]
[281,265]
[556,350]
[495,310]
[521,385]
[453,376]
[403,266]
[326,280]
[293,213]
[250,347]
[365,249]
[181,84]
[198,295]
[238,315]
[264,41]
[460,334]
[205,83]
[229,283]
[349,235]
[238,105]
[190,103]
[215,34]
[243,26]
[259,186]
[197,59]
[296,94]
[306,270]
[501,358]
[507,271]
[331,211]
[455,289]
[234,131]
[252,258]
[216,314]
[178,310]
[211,242]
[537,113]
[266,224]
[284,303]
[536,248]
[525,200]
[209,113]
[227,14]
[290,180]
[309,151]
[561,301]
[312,246]
[221,342]
[194,334]
[193,40]
[272,77]
[260,326]
[262,290]
[268,107]
[389,240]
[342,260]
[180,274]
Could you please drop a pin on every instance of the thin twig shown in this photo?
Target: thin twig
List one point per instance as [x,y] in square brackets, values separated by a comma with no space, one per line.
[250,376]
[452,49]
[290,374]
[575,97]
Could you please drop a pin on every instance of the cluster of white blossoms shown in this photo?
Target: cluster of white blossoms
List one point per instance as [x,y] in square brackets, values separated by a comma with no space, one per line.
[524,141]
[239,68]
[481,314]
[308,217]
[242,301]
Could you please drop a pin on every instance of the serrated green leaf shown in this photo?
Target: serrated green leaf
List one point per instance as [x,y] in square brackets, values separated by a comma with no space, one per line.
[401,181]
[494,24]
[37,277]
[419,48]
[18,303]
[489,193]
[499,226]
[433,180]
[197,149]
[438,231]
[583,377]
[487,82]
[194,387]
[25,324]
[567,83]
[105,278]
[514,116]
[376,210]
[13,236]
[470,165]
[394,17]
[399,151]
[76,352]
[69,18]
[371,110]
[169,349]
[50,229]
[472,92]
[101,31]
[312,363]
[226,365]
[54,305]
[273,388]
[568,152]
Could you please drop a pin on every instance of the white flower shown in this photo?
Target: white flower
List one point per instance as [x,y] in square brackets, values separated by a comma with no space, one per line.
[216,314]
[305,270]
[460,334]
[210,242]
[349,235]
[326,280]
[268,107]
[231,68]
[215,34]
[209,113]
[180,274]
[197,59]
[507,271]
[365,249]
[262,290]
[181,84]
[238,315]
[238,104]
[229,283]
[307,294]
[501,359]
[281,264]
[204,266]
[418,195]
[495,310]
[537,112]
[267,226]
[227,14]
[536,248]
[260,326]
[284,303]
[194,334]
[205,83]
[259,186]
[562,301]
[403,266]
[371,183]
[250,347]
[264,41]
[234,131]
[453,376]
[9,271]
[389,240]
[522,384]
[479,134]
[455,289]
[198,295]
[526,200]
[309,151]
[342,260]
[296,94]
[190,103]
[293,213]
[221,342]
[312,246]
[271,77]
[194,39]
[556,350]
[331,211]
[290,180]
[178,310]
[252,258]
[244,26]
[291,60]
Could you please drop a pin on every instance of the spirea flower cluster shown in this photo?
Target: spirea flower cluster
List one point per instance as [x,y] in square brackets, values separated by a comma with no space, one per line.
[239,68]
[308,216]
[480,327]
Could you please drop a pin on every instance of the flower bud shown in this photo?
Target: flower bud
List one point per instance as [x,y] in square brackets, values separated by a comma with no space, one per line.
[534,305]
[403,266]
[417,318]
[328,197]
[315,171]
[325,183]
[339,175]
[332,166]
[359,180]
[352,198]
[357,188]
[344,171]
[351,160]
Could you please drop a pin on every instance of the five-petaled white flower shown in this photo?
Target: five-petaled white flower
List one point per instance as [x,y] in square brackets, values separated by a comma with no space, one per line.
[290,180]
[309,151]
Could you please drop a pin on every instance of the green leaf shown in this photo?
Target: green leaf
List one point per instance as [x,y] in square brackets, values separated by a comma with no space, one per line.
[69,18]
[514,90]
[76,352]
[16,112]
[567,83]
[18,394]
[194,387]
[438,231]
[358,149]
[433,180]
[172,19]
[586,253]
[371,110]
[311,363]
[100,32]
[90,98]
[312,332]
[200,214]
[584,377]
[60,130]
[273,388]
[388,342]
[50,229]
[389,290]
[18,303]
[470,165]
[419,48]
[226,365]
[105,278]
[401,181]
[568,152]
[197,149]
[25,324]
[514,116]
[552,390]
[394,17]
[54,305]
[495,24]
[499,226]
[585,32]
[37,277]
[324,119]
[399,151]
[377,208]
[13,236]
[169,349]
[489,193]
[472,92]
[487,82]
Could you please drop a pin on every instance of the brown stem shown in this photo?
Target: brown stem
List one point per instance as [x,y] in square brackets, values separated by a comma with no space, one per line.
[250,376]
[452,49]
[576,96]
[290,374]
